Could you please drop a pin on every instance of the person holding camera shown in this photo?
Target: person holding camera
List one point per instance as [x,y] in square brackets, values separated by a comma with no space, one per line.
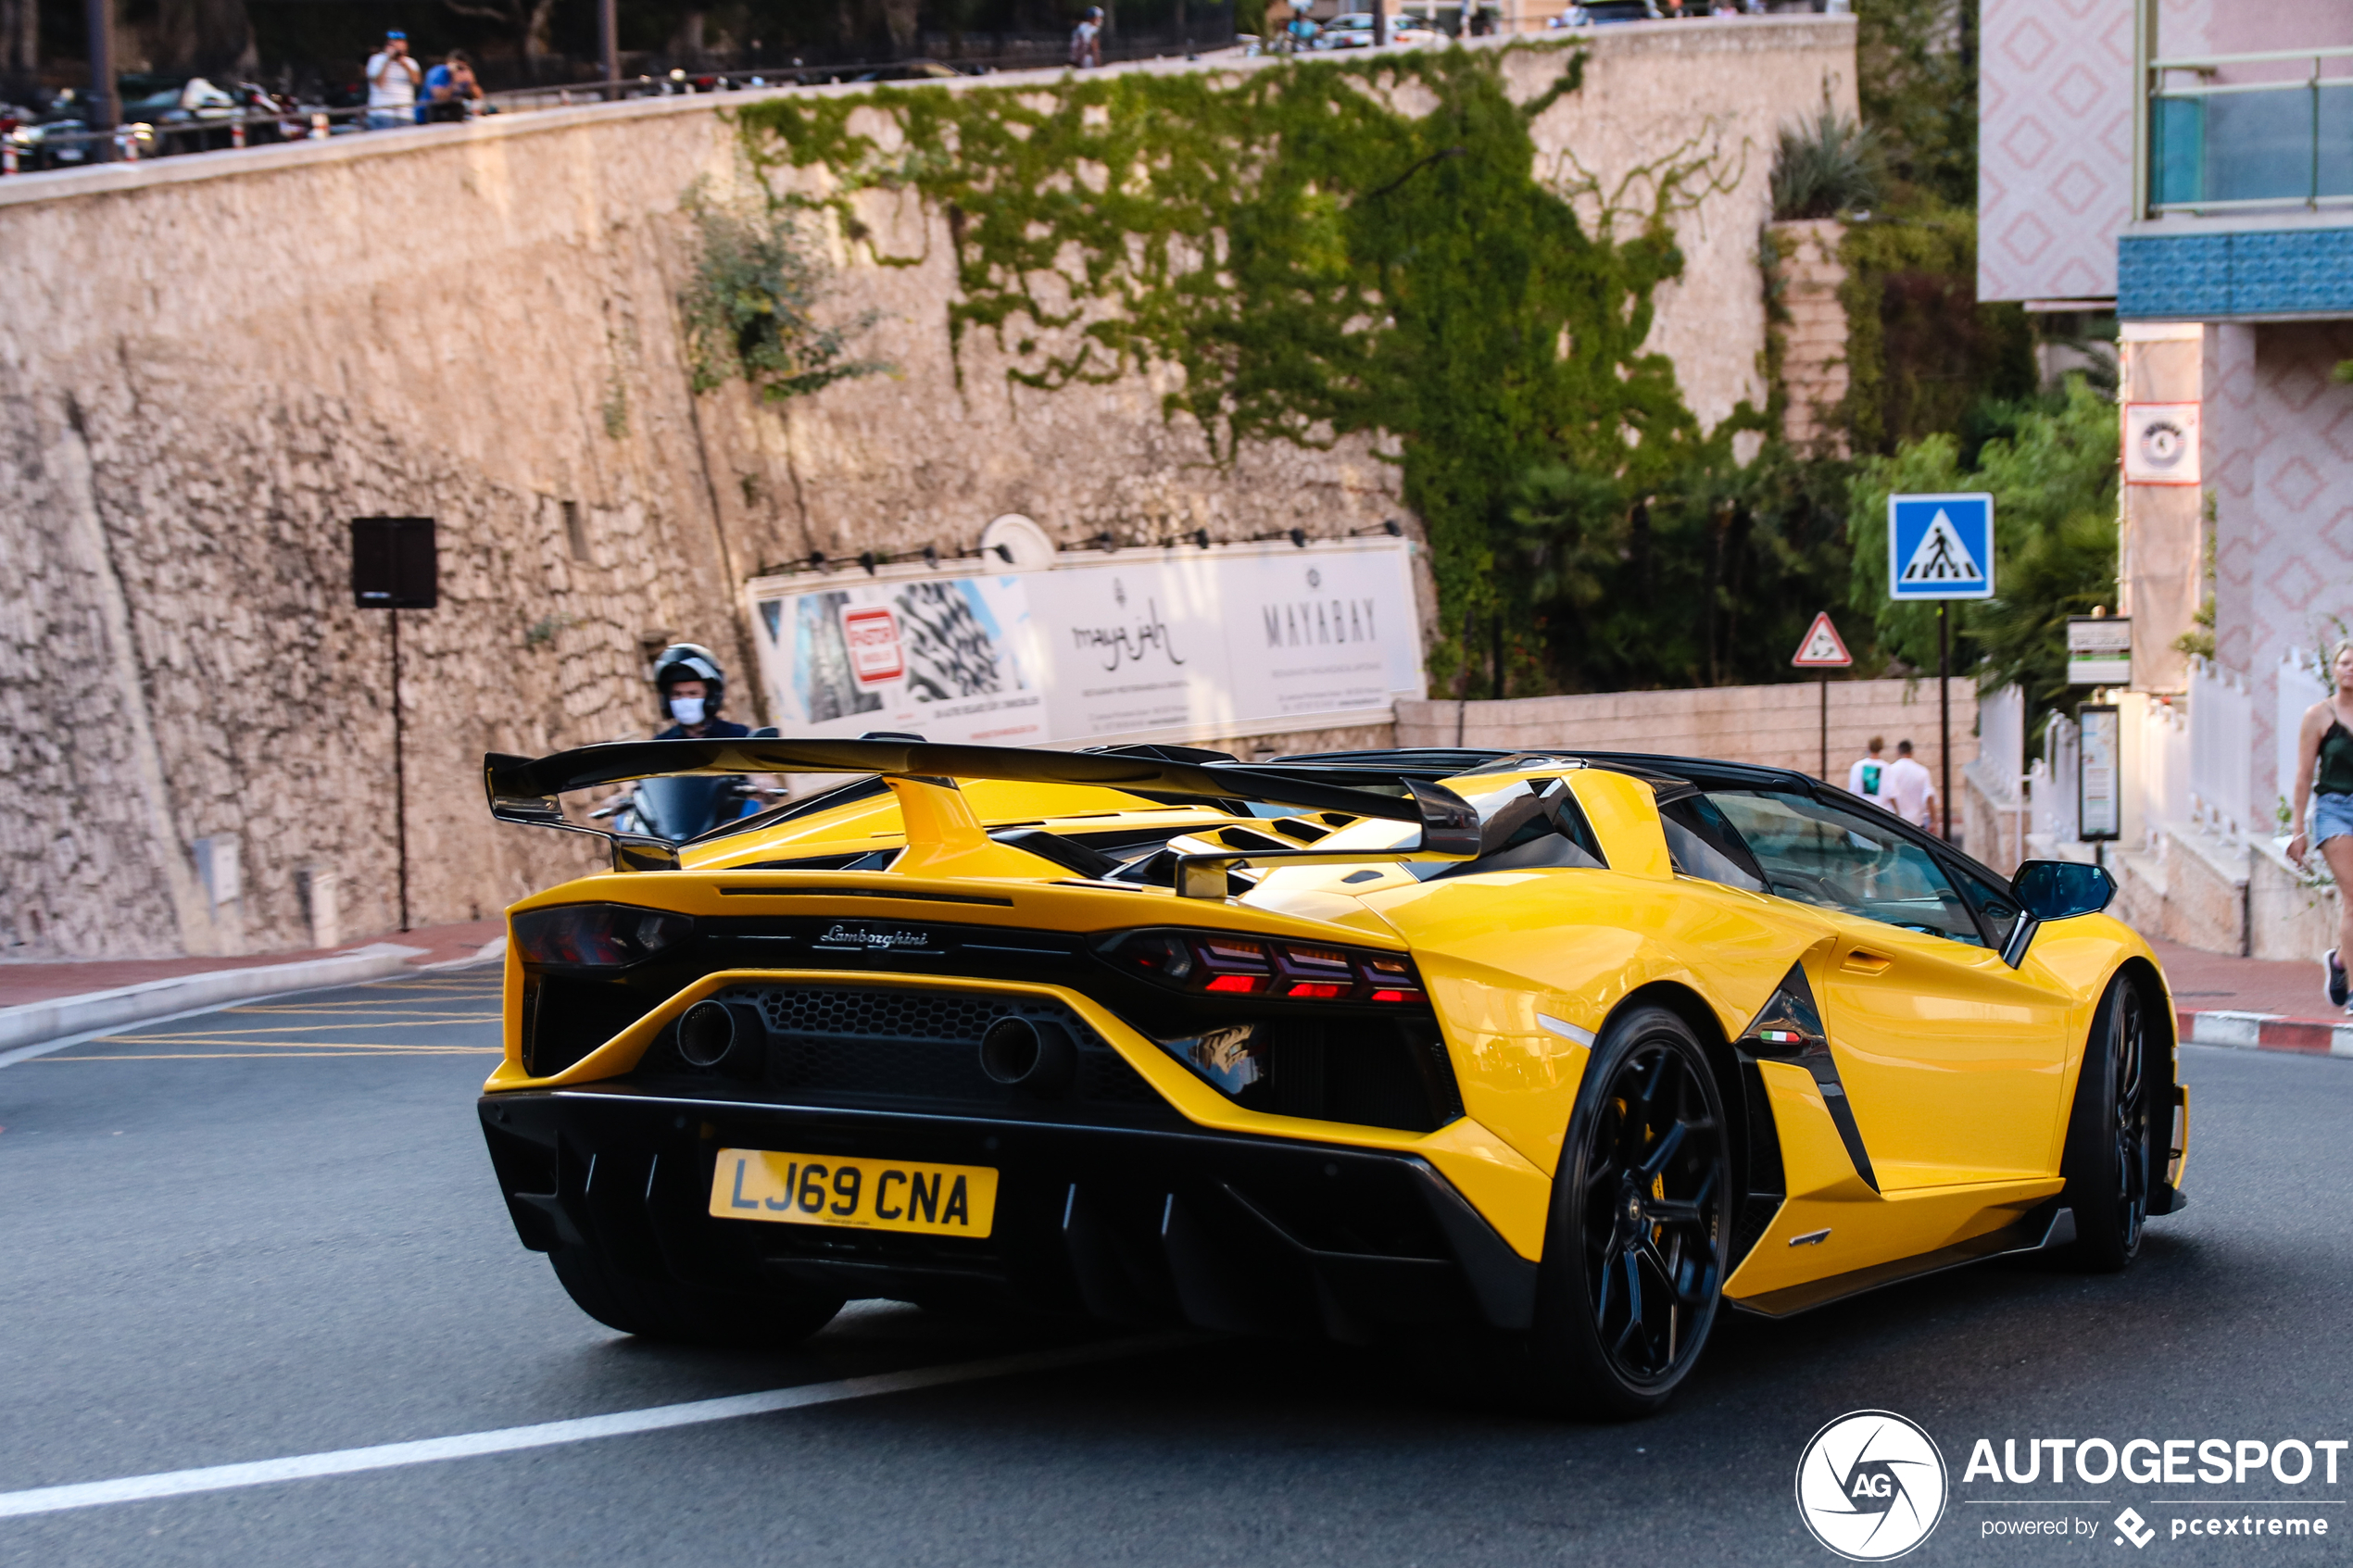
[393,76]
[451,92]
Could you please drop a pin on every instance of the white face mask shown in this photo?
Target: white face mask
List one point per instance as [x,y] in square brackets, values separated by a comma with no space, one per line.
[687,710]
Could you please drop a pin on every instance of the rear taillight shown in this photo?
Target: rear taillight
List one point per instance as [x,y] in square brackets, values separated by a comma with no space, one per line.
[596,935]
[1221,964]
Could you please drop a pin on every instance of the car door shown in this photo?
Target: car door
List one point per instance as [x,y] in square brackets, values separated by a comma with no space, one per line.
[1952,1061]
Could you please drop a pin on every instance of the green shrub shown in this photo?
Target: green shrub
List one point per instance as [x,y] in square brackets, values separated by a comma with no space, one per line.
[750,306]
[1825,167]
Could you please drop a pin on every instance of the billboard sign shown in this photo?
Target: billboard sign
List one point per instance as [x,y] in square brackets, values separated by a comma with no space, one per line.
[1145,645]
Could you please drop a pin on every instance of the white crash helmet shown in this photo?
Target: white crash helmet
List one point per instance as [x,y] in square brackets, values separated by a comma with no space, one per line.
[688,662]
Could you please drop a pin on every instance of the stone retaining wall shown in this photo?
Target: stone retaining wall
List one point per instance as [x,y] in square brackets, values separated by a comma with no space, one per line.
[1779,726]
[208,364]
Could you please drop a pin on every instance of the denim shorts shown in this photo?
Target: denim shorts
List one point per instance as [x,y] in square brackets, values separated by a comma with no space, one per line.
[2331,818]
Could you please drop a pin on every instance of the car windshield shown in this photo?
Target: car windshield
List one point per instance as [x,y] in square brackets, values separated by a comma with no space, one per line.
[1839,859]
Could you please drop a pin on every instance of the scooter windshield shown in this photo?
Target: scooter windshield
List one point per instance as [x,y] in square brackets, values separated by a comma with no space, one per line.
[678,808]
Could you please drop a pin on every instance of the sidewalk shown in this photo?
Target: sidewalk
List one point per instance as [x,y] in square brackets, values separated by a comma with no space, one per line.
[2251,1003]
[2255,1003]
[41,1002]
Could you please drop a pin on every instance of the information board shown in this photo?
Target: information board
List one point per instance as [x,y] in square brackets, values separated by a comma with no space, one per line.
[2100,775]
[2099,650]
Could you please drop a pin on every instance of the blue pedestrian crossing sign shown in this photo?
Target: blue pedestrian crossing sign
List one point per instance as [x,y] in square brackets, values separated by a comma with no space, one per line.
[1939,546]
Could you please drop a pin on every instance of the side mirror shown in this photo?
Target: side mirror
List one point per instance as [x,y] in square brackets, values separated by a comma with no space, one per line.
[2062,889]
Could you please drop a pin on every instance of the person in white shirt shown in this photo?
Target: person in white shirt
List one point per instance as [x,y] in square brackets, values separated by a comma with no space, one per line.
[1867,778]
[1912,793]
[392,84]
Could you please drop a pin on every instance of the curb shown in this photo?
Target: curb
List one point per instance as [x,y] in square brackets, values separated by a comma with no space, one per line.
[2265,1032]
[37,1023]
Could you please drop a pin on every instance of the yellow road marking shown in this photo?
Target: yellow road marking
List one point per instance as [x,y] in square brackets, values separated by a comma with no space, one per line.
[338,1023]
[274,1055]
[342,1009]
[243,1044]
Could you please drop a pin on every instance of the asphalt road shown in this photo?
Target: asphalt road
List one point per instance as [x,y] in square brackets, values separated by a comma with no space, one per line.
[272,1232]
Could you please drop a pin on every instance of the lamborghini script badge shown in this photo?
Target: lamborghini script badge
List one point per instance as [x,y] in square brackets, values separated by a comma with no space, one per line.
[1872,1486]
[876,939]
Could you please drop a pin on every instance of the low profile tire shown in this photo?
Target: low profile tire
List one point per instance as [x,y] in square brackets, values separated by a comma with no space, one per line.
[2111,1133]
[685,1315]
[1633,1270]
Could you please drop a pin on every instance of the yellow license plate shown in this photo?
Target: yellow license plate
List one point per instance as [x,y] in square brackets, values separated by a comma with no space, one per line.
[876,1195]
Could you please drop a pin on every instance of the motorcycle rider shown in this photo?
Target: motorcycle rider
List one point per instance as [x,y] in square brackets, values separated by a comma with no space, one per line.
[692,689]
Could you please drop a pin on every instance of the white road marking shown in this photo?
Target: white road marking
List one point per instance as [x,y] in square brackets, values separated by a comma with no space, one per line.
[548,1433]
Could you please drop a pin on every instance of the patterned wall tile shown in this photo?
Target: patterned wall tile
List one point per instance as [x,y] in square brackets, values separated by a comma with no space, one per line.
[2055,136]
[2288,541]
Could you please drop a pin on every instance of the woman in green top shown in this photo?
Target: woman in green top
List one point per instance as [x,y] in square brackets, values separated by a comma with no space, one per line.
[2324,779]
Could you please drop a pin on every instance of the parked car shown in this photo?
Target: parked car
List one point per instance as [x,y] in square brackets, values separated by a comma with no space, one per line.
[54,137]
[1354,30]
[1604,13]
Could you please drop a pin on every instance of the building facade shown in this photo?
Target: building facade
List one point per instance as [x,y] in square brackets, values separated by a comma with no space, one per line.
[2189,165]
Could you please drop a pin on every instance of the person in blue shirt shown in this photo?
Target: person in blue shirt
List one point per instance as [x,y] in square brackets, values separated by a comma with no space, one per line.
[450,89]
[1302,30]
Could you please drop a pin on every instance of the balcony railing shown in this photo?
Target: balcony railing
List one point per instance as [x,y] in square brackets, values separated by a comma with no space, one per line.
[2243,133]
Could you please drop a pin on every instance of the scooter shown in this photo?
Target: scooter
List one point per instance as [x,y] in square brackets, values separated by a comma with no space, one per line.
[687,805]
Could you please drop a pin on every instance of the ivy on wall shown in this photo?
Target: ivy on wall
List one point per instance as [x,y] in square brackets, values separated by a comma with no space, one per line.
[1319,262]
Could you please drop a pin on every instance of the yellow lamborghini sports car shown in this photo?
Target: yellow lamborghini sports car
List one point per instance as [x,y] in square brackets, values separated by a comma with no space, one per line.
[1571,1051]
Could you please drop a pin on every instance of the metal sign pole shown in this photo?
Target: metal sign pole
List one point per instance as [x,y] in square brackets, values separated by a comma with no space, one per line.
[400,773]
[395,565]
[1822,649]
[1945,708]
[1941,547]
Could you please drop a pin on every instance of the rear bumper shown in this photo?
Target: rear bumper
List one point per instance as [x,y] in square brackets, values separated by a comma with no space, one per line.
[1148,1226]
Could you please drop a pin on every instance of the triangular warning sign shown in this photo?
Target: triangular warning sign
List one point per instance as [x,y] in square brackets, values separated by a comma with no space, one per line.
[1941,557]
[1822,648]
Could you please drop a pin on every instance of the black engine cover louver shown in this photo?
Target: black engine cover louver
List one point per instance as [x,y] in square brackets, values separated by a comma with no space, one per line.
[909,1045]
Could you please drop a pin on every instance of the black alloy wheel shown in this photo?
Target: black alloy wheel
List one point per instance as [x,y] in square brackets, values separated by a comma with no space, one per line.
[2111,1133]
[1634,1265]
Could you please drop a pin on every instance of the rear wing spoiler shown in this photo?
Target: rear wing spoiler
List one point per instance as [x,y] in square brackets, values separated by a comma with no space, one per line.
[528,790]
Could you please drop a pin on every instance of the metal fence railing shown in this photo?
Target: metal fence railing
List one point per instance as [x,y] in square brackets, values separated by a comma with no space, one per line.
[2238,132]
[73,144]
[2051,784]
[69,144]
[2221,747]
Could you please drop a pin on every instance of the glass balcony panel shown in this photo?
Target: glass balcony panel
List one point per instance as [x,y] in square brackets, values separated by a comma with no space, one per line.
[2259,148]
[2336,139]
[2177,150]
